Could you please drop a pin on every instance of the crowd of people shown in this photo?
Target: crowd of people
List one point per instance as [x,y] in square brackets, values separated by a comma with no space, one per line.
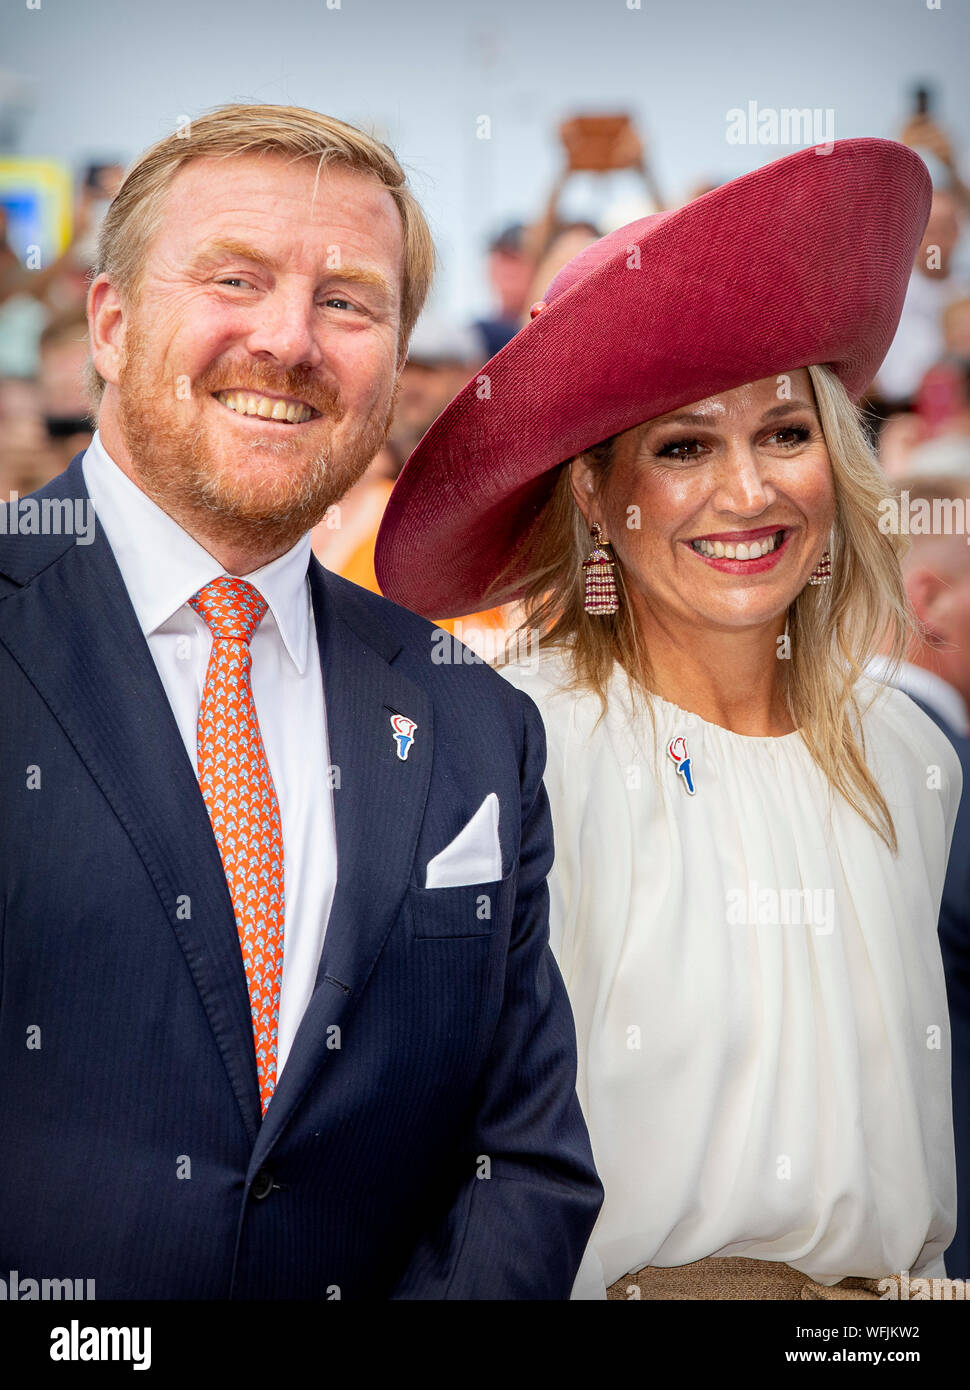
[919,404]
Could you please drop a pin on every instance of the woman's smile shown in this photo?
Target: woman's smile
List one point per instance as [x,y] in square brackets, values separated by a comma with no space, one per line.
[742,552]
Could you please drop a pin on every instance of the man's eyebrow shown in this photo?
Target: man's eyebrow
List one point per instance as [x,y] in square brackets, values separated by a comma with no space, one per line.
[228,246]
[359,275]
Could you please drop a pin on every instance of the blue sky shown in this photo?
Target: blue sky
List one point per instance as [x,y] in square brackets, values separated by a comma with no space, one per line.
[107,77]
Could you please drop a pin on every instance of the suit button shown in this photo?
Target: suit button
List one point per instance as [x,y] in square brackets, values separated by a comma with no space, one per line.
[262,1185]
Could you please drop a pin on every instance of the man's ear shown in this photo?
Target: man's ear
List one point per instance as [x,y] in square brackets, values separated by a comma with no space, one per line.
[106,325]
[930,595]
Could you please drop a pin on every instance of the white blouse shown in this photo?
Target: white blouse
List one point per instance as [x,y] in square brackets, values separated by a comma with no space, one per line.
[764,1050]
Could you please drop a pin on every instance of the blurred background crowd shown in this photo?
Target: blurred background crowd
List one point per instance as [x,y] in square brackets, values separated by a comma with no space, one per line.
[919,406]
[527,129]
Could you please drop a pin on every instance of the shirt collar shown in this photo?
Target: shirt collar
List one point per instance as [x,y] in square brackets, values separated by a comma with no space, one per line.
[163,566]
[923,685]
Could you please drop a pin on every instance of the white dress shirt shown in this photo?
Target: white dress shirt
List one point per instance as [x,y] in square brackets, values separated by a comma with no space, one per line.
[919,343]
[924,685]
[162,567]
[756,980]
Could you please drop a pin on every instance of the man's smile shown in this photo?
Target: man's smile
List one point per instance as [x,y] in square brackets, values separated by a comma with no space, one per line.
[284,409]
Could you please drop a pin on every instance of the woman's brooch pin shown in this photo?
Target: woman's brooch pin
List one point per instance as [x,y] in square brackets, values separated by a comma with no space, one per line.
[678,751]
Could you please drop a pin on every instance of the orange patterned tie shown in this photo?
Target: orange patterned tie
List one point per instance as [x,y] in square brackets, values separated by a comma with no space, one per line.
[238,790]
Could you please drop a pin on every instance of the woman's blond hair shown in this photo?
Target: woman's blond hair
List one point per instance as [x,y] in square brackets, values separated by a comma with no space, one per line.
[135,214]
[834,628]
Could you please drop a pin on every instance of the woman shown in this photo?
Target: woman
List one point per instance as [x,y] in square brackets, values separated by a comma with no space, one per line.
[751,836]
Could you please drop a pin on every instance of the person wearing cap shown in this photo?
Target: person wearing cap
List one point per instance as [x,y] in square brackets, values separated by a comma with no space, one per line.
[510,271]
[669,471]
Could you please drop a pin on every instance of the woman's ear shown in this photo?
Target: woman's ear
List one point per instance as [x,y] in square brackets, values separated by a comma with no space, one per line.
[583,485]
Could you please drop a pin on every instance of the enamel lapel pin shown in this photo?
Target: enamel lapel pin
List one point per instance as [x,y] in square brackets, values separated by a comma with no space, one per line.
[677,749]
[403,732]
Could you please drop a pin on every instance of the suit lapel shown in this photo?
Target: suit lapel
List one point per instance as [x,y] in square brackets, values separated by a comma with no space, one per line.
[378,808]
[74,633]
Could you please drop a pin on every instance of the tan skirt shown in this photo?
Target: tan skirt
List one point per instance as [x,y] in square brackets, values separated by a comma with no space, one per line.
[735,1277]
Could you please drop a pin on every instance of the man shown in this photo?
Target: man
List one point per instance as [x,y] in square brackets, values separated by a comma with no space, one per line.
[934,284]
[511,271]
[62,353]
[936,674]
[279,1016]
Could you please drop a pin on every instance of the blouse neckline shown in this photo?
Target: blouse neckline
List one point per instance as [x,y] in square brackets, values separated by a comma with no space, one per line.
[690,720]
[689,716]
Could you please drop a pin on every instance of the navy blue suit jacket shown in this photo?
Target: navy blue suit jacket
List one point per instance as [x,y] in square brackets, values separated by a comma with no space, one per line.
[424,1139]
[955,946]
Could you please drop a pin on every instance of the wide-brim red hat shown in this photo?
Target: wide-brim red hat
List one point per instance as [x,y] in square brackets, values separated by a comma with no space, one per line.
[805,261]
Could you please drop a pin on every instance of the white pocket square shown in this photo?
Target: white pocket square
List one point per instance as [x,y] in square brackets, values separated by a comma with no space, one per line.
[474,855]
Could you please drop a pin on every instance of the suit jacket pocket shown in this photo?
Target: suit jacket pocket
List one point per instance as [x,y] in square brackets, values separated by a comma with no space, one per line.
[474,909]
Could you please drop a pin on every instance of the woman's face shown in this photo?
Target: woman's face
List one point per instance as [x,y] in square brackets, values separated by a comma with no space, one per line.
[719,511]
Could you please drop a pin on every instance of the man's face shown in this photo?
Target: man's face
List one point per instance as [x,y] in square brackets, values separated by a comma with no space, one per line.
[941,236]
[511,275]
[937,573]
[251,379]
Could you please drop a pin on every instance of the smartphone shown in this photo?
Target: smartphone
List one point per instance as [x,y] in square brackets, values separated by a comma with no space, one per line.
[922,101]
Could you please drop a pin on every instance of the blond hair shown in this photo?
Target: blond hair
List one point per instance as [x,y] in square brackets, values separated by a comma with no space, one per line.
[136,212]
[835,629]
